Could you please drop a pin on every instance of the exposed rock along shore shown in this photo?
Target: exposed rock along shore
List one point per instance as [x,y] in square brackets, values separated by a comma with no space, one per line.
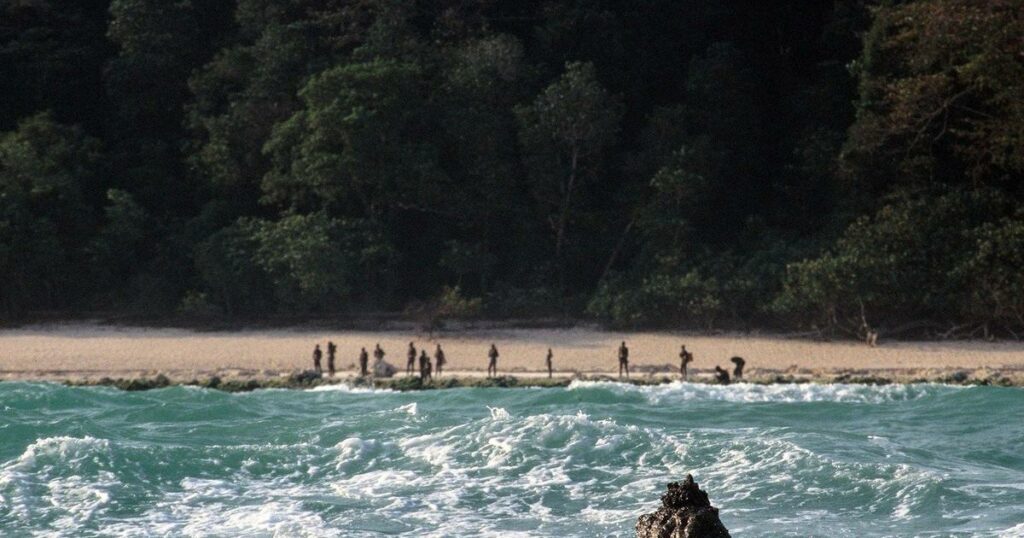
[685,512]
[239,381]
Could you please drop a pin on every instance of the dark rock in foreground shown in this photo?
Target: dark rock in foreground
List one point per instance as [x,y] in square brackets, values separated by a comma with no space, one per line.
[685,512]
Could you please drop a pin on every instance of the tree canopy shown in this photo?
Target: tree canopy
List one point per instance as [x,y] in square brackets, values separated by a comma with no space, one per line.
[840,167]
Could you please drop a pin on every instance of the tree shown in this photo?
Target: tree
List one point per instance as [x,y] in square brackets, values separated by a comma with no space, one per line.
[359,147]
[51,58]
[898,265]
[44,220]
[227,267]
[564,133]
[117,251]
[991,279]
[940,86]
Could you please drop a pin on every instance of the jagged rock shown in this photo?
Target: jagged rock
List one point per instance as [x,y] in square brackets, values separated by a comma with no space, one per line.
[685,512]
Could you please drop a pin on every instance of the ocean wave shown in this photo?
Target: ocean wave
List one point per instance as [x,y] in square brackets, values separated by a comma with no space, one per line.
[44,481]
[578,462]
[344,387]
[775,393]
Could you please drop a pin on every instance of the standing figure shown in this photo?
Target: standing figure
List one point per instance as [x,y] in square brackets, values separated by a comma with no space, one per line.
[550,364]
[424,365]
[492,365]
[721,375]
[685,358]
[317,355]
[737,373]
[381,368]
[439,359]
[410,363]
[364,359]
[623,359]
[331,351]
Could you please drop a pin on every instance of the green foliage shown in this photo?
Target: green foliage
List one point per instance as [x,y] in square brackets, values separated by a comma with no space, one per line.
[688,300]
[51,58]
[453,305]
[687,164]
[354,145]
[197,305]
[564,132]
[300,263]
[227,268]
[991,279]
[306,267]
[117,249]
[44,219]
[940,87]
[465,259]
[900,263]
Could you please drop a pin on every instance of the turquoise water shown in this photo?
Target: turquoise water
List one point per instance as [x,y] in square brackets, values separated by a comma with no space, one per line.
[830,460]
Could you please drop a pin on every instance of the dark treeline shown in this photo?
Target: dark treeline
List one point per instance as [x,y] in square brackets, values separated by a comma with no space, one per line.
[801,165]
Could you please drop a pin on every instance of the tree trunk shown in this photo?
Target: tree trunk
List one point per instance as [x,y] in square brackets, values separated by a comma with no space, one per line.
[616,251]
[563,218]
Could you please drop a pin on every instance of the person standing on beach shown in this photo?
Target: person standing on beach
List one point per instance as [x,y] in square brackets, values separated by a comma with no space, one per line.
[685,358]
[439,359]
[737,373]
[364,360]
[317,355]
[721,375]
[332,350]
[410,363]
[424,365]
[550,363]
[623,359]
[378,352]
[492,365]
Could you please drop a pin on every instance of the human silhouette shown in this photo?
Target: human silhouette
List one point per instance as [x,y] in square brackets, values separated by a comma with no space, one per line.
[382,368]
[492,364]
[317,355]
[410,363]
[549,361]
[332,350]
[364,359]
[424,365]
[440,359]
[623,359]
[685,358]
[721,375]
[737,373]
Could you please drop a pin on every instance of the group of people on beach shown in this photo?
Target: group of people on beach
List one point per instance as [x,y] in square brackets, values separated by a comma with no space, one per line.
[426,367]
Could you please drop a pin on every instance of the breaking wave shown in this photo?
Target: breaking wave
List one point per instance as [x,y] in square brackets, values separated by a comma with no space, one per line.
[581,461]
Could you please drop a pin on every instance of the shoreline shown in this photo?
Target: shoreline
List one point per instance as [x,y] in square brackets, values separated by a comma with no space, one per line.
[235,381]
[85,353]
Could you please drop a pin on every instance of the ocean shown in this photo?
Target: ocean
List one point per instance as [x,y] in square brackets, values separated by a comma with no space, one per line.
[778,460]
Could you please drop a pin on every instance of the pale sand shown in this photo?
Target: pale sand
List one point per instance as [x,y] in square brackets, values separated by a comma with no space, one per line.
[75,351]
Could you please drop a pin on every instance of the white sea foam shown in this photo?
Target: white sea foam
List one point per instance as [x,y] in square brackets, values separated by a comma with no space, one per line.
[498,413]
[208,507]
[409,409]
[781,393]
[344,387]
[584,464]
[42,479]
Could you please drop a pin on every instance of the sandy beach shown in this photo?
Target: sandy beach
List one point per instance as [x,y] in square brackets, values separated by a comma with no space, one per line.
[83,351]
